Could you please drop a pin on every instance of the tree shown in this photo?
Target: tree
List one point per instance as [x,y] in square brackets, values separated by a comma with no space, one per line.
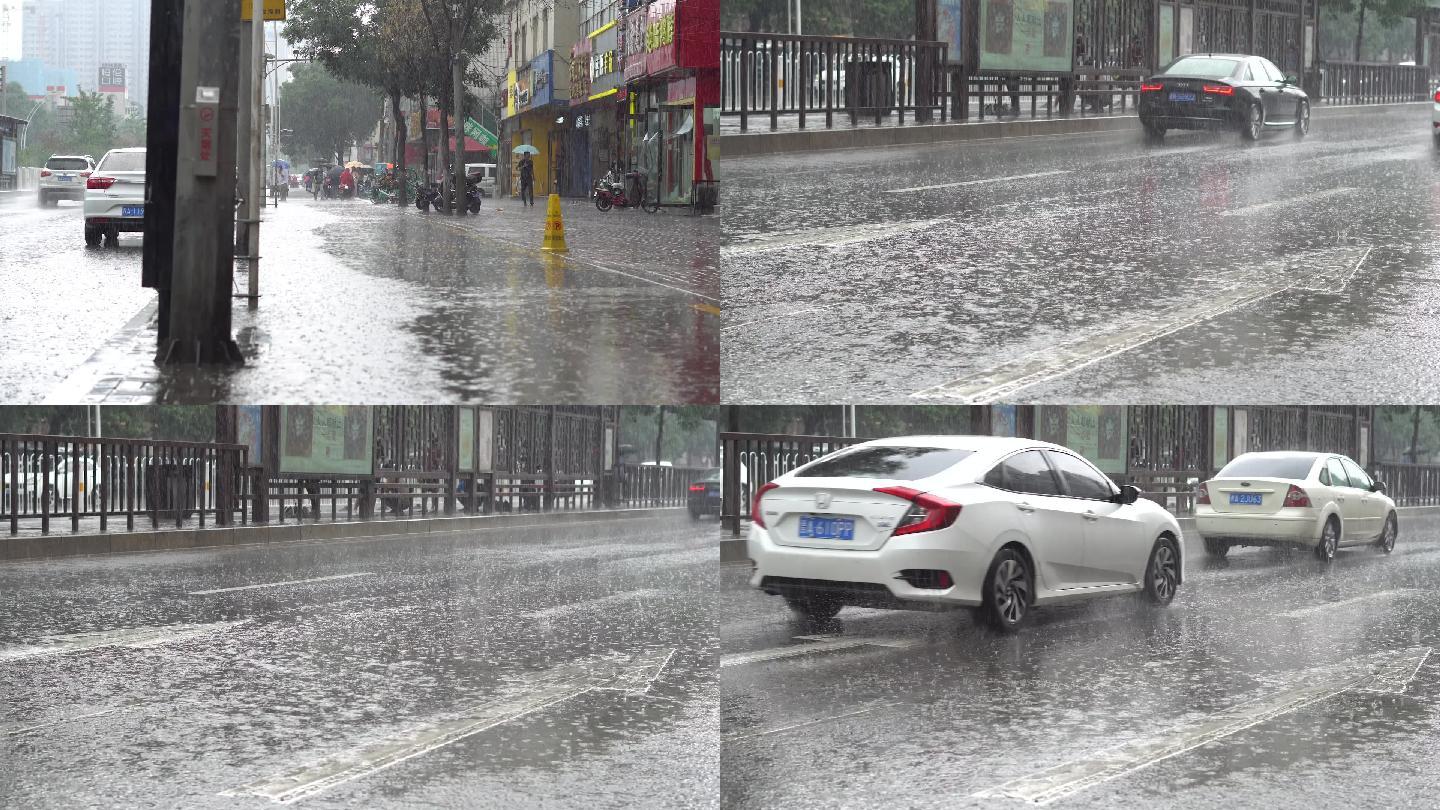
[894,19]
[93,125]
[1388,13]
[325,114]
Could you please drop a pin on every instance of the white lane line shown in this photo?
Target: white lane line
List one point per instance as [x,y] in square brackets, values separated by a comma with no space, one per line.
[794,650]
[833,236]
[806,723]
[1311,197]
[63,720]
[559,611]
[135,637]
[978,182]
[773,317]
[1043,787]
[1007,378]
[279,584]
[541,693]
[1327,607]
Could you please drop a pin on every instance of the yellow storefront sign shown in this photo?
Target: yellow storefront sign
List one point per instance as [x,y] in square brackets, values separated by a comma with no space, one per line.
[274,10]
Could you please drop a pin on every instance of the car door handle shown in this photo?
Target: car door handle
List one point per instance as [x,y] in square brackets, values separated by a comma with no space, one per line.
[1091,516]
[1340,500]
[1025,507]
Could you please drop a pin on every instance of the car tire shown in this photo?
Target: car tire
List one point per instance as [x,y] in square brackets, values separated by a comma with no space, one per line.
[1254,123]
[92,236]
[112,238]
[1329,541]
[1386,543]
[1302,119]
[1216,549]
[814,606]
[1009,591]
[1162,573]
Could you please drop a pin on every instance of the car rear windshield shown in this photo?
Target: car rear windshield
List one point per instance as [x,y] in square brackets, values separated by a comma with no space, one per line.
[897,463]
[1206,67]
[123,162]
[1296,467]
[67,164]
[713,475]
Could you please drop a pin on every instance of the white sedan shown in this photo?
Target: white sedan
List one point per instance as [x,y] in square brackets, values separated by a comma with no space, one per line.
[935,522]
[1320,501]
[115,196]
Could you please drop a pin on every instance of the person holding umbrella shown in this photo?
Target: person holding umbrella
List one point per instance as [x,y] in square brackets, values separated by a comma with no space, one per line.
[527,174]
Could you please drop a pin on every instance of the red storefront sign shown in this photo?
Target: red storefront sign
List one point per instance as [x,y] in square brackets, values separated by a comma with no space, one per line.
[697,34]
[632,43]
[660,37]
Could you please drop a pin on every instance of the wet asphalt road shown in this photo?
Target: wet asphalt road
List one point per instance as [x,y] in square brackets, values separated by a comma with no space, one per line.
[581,659]
[365,303]
[1272,655]
[1091,268]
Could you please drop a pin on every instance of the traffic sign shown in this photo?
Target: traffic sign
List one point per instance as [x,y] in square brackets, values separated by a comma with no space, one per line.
[274,10]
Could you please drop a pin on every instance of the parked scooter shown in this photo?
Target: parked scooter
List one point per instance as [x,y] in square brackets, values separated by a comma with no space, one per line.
[427,196]
[627,190]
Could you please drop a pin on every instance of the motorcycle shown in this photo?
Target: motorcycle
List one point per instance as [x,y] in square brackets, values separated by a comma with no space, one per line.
[428,195]
[612,193]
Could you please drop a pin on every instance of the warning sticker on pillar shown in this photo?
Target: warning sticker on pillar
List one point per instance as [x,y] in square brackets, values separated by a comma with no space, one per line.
[207,120]
[274,10]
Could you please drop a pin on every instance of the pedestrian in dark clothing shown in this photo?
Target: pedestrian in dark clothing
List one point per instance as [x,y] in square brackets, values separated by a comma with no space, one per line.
[527,181]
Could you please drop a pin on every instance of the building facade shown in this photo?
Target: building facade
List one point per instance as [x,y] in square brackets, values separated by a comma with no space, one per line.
[84,35]
[537,94]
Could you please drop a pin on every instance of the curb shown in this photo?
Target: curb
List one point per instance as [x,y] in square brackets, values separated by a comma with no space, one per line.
[732,551]
[33,548]
[754,144]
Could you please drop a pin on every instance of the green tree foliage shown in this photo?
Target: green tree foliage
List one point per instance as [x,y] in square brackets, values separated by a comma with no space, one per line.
[689,434]
[891,19]
[874,421]
[325,114]
[93,124]
[194,423]
[1407,434]
[1365,30]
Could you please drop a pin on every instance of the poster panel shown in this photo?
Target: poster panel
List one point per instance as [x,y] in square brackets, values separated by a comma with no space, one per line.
[1166,52]
[1052,426]
[466,439]
[949,19]
[485,431]
[1098,433]
[327,439]
[1221,449]
[1241,430]
[1002,420]
[248,432]
[1037,35]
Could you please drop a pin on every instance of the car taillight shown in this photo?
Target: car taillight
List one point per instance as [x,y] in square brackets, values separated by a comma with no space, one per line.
[84,174]
[1437,96]
[697,487]
[755,504]
[100,182]
[44,172]
[1202,494]
[1295,496]
[1151,88]
[926,513]
[1220,89]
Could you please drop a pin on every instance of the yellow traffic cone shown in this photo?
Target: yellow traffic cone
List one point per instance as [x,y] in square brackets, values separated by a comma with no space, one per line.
[554,227]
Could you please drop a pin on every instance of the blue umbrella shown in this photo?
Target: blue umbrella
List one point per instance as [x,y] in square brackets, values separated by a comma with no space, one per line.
[525,149]
[283,165]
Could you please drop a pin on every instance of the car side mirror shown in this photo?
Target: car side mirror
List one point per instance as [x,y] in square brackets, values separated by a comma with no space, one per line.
[1128,494]
[1377,486]
[1291,78]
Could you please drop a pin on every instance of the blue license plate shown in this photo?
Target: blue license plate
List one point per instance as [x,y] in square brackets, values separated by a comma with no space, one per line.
[132,210]
[825,528]
[65,178]
[1179,96]
[1245,499]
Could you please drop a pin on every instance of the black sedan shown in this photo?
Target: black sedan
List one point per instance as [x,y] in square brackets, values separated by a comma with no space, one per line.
[704,496]
[1223,91]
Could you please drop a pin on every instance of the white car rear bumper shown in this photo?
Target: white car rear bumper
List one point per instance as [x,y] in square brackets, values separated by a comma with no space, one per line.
[1302,527]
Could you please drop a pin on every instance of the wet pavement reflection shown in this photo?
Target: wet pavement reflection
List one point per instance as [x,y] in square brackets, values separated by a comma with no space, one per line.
[1090,268]
[505,667]
[1271,681]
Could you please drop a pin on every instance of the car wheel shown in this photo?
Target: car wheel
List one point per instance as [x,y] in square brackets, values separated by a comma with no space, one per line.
[1216,548]
[815,606]
[1329,541]
[1302,119]
[1254,123]
[92,236]
[112,237]
[1009,589]
[1386,543]
[1162,574]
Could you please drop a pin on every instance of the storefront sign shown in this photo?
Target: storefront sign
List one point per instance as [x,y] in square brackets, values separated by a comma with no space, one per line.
[510,84]
[660,36]
[1027,35]
[327,439]
[605,60]
[632,43]
[274,10]
[580,70]
[112,78]
[531,87]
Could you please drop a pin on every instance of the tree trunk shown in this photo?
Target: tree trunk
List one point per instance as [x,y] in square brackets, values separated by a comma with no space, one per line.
[659,434]
[447,105]
[424,142]
[1360,30]
[1415,437]
[400,141]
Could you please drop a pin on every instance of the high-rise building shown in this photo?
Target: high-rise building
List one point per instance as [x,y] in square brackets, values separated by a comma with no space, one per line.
[83,35]
[10,30]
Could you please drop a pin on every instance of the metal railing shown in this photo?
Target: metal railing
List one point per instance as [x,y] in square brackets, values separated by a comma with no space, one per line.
[640,485]
[1088,92]
[769,75]
[1372,82]
[1410,484]
[749,460]
[73,477]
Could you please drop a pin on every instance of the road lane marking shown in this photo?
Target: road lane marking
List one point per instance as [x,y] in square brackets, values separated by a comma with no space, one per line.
[1388,672]
[63,720]
[833,236]
[1258,207]
[978,182]
[134,637]
[279,584]
[1007,378]
[806,723]
[774,317]
[1325,607]
[559,611]
[551,688]
[794,650]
